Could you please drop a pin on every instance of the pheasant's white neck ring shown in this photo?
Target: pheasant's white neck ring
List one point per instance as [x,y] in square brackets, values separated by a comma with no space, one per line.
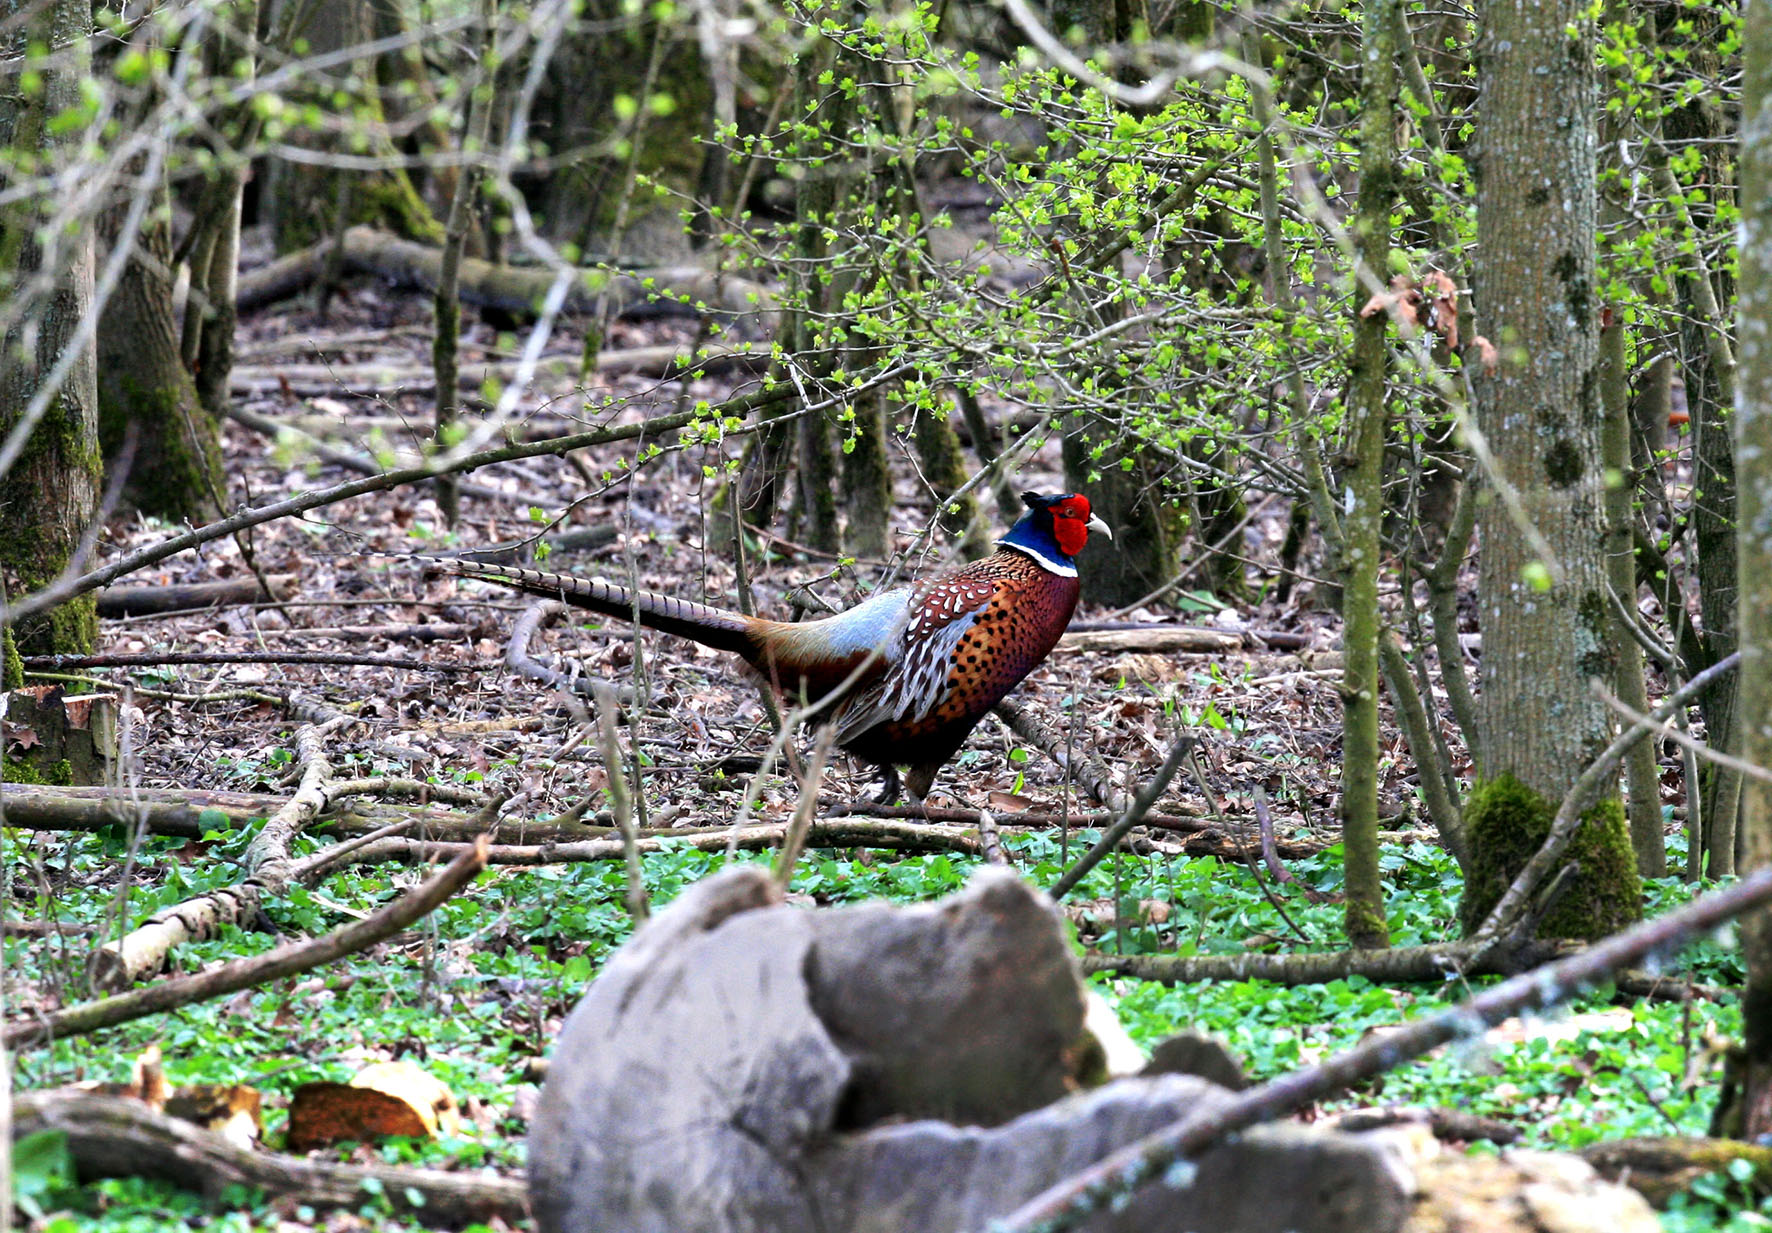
[1060,565]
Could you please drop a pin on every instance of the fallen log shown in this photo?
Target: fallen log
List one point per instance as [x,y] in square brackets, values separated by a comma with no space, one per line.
[268,864]
[1151,639]
[559,372]
[132,600]
[674,291]
[1660,1168]
[114,1136]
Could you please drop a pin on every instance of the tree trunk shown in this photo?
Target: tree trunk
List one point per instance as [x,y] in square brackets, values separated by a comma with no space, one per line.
[1542,601]
[302,200]
[1367,403]
[867,481]
[150,417]
[818,481]
[1753,441]
[1708,366]
[1621,567]
[48,495]
[938,447]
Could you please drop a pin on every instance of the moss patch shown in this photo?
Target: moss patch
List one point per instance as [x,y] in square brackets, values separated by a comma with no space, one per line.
[177,466]
[1507,823]
[13,675]
[21,770]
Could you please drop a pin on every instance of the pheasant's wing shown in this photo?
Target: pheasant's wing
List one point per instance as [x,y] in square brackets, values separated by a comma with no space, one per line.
[936,620]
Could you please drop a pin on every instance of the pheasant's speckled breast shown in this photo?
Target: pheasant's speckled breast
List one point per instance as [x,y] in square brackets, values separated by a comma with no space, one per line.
[970,639]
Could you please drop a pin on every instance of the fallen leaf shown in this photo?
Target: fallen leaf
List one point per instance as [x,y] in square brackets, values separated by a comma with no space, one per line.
[321,1114]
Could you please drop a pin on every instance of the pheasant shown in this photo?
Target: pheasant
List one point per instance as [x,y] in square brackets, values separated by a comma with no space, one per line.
[904,676]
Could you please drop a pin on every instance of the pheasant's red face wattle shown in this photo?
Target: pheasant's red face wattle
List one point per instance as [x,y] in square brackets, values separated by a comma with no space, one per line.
[1070,524]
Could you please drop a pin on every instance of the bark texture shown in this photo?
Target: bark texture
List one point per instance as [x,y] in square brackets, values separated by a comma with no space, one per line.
[1367,391]
[49,495]
[1753,450]
[1542,599]
[174,454]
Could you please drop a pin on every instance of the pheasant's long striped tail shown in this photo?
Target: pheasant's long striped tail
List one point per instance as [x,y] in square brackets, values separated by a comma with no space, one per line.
[716,627]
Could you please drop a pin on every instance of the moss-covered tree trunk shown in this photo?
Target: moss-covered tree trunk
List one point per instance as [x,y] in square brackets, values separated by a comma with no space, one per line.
[944,467]
[303,199]
[1542,602]
[151,418]
[1368,398]
[48,493]
[1641,774]
[1753,445]
[867,481]
[215,264]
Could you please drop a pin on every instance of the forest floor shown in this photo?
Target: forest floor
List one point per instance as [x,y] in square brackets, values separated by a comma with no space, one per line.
[484,984]
[1265,715]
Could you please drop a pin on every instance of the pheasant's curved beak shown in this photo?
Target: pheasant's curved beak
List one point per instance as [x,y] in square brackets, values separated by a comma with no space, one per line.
[1098,526]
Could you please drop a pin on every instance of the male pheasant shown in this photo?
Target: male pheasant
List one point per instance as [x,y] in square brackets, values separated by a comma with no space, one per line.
[907,674]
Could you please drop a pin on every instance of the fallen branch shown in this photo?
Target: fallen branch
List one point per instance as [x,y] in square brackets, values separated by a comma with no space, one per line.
[155,659]
[1279,639]
[1088,771]
[519,660]
[178,813]
[1398,965]
[681,290]
[238,974]
[397,631]
[125,601]
[1660,1168]
[1070,1202]
[1151,639]
[119,964]
[559,372]
[1032,818]
[1110,838]
[889,836]
[1205,836]
[113,1136]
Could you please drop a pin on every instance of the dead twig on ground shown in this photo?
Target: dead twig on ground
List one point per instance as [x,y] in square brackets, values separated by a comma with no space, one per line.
[155,659]
[120,963]
[117,1136]
[241,974]
[1110,839]
[1096,779]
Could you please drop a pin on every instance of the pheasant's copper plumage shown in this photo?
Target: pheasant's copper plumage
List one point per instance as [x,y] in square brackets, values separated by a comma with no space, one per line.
[914,669]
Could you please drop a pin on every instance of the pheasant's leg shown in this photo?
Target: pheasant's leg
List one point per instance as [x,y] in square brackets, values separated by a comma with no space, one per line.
[889,786]
[919,781]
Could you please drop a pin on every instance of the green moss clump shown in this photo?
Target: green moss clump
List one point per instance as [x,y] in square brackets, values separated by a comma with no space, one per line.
[176,469]
[1507,823]
[12,676]
[20,770]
